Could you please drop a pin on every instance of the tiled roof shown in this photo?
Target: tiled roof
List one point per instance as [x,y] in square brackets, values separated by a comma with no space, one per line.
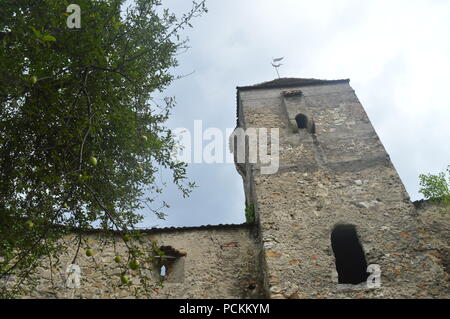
[183,228]
[201,227]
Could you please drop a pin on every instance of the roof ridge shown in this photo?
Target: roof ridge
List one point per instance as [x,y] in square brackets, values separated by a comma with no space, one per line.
[290,82]
[172,228]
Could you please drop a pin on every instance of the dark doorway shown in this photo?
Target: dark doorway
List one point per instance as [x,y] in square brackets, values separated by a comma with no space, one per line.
[351,263]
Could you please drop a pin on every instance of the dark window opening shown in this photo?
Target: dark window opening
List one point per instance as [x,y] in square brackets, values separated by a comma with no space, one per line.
[351,263]
[170,264]
[302,121]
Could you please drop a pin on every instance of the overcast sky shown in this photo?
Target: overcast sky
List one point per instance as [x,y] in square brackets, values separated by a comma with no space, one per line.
[396,54]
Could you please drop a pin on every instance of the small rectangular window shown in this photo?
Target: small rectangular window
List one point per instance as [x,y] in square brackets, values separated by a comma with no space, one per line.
[169,267]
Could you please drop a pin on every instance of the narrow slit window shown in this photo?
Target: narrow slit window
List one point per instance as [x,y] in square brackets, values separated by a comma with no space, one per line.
[351,264]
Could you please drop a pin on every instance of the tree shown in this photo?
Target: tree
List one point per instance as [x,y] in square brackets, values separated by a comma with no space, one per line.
[436,188]
[81,139]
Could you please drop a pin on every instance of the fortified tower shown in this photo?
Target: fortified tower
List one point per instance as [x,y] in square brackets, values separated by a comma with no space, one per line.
[336,203]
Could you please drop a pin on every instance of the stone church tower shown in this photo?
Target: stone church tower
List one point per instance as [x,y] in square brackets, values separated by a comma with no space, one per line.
[336,204]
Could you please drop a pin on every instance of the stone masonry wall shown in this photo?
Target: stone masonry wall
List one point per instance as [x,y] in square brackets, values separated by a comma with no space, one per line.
[340,174]
[433,250]
[219,263]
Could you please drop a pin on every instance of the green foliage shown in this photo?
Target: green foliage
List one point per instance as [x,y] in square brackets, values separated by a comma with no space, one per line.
[69,95]
[436,188]
[249,213]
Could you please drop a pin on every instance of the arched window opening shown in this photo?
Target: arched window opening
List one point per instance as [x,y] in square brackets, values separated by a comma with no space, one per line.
[302,121]
[351,263]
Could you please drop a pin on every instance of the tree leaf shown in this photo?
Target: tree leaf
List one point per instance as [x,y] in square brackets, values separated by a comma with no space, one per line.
[36,32]
[49,37]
